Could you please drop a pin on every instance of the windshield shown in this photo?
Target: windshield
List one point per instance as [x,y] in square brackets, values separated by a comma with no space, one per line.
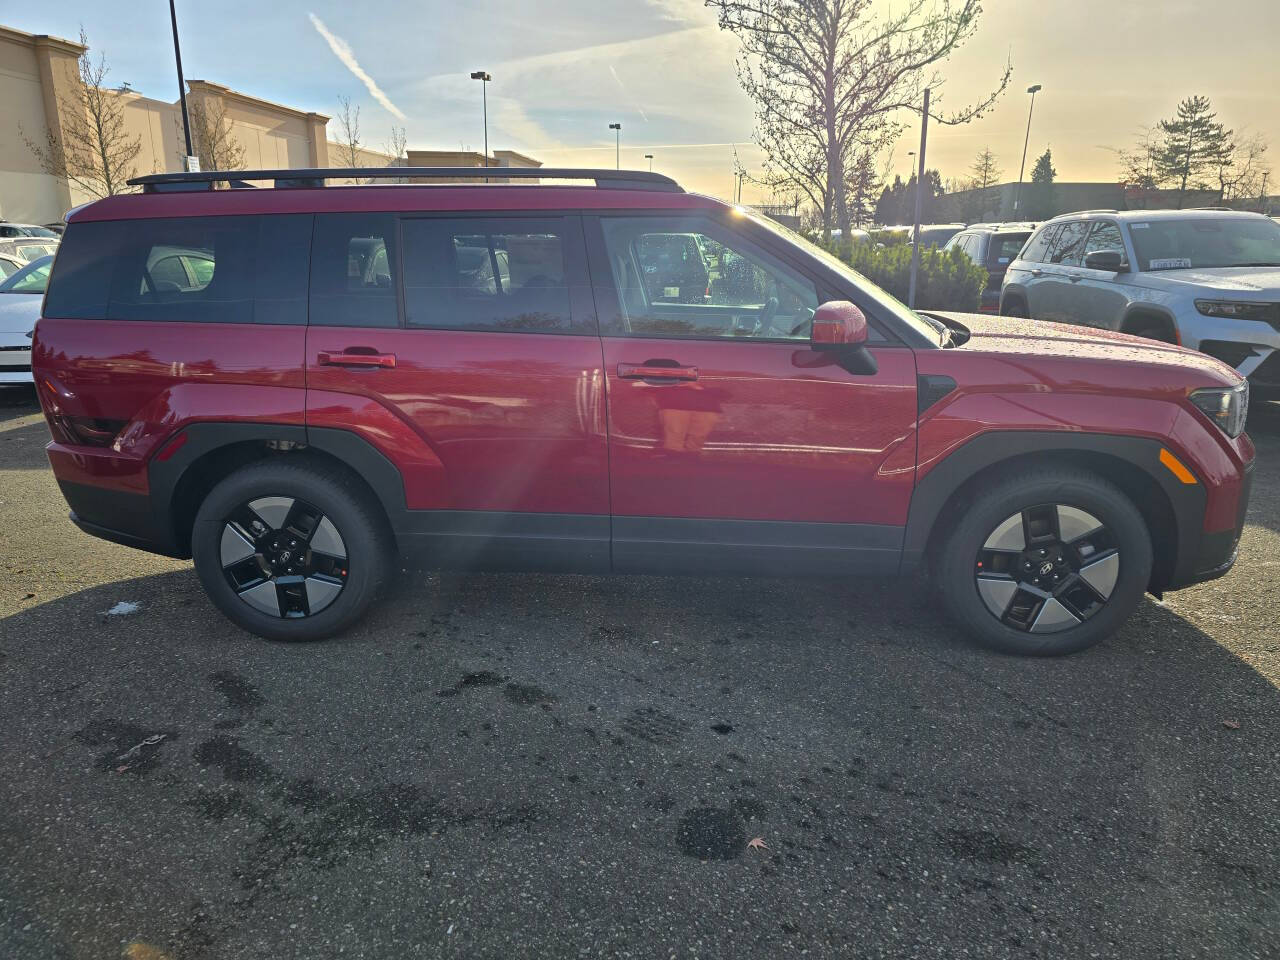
[30,279]
[1200,242]
[40,232]
[931,328]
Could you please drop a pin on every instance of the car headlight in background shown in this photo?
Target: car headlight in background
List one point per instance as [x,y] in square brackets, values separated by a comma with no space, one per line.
[1236,309]
[1228,407]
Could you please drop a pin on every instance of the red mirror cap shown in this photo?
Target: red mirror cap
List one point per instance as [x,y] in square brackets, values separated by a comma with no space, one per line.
[837,322]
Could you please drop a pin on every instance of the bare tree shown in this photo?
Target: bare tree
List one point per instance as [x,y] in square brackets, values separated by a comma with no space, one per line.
[831,78]
[350,146]
[986,174]
[1241,176]
[95,151]
[396,149]
[211,136]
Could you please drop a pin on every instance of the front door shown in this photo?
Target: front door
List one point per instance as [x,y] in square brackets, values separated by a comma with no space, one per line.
[733,446]
[480,367]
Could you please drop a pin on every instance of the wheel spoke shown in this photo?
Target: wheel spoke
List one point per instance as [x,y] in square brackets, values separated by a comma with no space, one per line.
[1053,616]
[1101,573]
[1074,524]
[235,546]
[273,511]
[1009,537]
[997,592]
[326,539]
[321,591]
[262,598]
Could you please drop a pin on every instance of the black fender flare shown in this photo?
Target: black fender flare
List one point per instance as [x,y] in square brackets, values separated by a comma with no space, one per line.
[990,449]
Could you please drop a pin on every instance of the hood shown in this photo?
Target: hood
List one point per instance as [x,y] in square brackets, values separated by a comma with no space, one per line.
[18,315]
[1011,336]
[1227,279]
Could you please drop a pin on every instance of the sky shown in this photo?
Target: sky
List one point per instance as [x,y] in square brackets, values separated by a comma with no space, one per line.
[563,70]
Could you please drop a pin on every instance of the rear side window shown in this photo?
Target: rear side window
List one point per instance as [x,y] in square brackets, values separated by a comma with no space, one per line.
[353,270]
[511,274]
[200,269]
[1037,250]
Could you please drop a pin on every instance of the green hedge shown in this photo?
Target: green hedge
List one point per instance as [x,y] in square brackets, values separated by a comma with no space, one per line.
[946,280]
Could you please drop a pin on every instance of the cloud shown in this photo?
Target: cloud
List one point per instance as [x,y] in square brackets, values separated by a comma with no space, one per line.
[343,52]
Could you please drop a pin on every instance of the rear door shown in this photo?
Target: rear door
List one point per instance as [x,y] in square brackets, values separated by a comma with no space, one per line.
[734,446]
[1055,292]
[476,337]
[1028,271]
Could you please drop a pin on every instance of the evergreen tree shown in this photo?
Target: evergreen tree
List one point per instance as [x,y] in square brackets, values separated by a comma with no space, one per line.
[1193,143]
[986,174]
[1040,205]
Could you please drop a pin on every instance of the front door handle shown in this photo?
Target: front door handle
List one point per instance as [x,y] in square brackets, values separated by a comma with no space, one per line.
[651,370]
[1074,277]
[1037,273]
[355,357]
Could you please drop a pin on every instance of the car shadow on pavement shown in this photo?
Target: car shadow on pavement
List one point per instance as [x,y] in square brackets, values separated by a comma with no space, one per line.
[536,765]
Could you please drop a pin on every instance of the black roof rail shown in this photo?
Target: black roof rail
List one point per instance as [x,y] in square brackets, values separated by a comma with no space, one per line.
[316,176]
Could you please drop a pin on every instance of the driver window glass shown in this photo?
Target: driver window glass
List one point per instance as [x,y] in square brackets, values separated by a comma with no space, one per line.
[690,278]
[353,271]
[1105,236]
[1069,248]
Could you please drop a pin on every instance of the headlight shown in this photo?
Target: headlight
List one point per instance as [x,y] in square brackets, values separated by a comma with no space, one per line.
[1228,407]
[1235,309]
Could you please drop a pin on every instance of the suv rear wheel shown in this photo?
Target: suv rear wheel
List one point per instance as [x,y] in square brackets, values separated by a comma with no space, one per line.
[290,550]
[1045,562]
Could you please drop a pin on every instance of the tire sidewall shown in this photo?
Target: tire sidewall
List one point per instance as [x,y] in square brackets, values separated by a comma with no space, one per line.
[366,554]
[956,569]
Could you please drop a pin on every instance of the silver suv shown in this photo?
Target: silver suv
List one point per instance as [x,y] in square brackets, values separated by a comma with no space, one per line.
[1207,279]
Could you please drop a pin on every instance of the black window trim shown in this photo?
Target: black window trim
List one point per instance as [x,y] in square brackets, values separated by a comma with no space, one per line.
[827,284]
[577,270]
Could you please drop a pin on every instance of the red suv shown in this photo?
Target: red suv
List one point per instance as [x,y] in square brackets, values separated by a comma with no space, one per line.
[291,383]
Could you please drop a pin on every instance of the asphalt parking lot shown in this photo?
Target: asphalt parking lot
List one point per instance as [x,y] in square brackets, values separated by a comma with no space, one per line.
[533,766]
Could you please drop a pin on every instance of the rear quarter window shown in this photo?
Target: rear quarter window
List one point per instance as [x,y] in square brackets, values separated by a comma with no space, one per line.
[1038,246]
[206,270]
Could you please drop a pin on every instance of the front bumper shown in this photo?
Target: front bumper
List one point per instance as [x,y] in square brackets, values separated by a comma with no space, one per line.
[1216,552]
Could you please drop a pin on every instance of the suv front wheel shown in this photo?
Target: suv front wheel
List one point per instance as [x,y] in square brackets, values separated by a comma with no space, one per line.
[1045,562]
[290,550]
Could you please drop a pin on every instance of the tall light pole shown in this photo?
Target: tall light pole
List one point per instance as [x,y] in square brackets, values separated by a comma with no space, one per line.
[649,157]
[182,86]
[915,233]
[617,144]
[484,79]
[1017,194]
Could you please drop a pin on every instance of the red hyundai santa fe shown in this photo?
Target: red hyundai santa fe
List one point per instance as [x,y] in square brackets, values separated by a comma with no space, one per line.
[291,383]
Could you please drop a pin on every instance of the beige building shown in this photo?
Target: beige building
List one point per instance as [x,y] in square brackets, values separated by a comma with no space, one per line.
[38,81]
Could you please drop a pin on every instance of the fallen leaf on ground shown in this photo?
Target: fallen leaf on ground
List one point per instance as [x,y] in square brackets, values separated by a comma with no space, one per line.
[1231,724]
[29,596]
[757,843]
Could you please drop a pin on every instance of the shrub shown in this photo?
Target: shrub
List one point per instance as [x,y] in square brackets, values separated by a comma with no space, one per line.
[946,279]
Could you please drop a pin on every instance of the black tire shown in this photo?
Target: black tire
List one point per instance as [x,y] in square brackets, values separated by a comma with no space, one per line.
[1014,307]
[957,566]
[336,494]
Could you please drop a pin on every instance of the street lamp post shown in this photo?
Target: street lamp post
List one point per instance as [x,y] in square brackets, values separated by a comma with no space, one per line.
[915,233]
[484,79]
[182,86]
[649,157]
[617,144]
[1017,194]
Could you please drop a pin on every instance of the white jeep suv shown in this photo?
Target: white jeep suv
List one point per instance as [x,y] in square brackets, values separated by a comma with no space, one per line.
[1207,279]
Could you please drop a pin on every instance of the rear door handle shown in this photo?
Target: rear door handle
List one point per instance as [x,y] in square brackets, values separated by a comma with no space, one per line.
[653,371]
[1037,273]
[355,357]
[1074,277]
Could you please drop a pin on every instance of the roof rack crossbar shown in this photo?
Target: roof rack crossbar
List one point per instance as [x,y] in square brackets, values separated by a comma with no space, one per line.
[316,177]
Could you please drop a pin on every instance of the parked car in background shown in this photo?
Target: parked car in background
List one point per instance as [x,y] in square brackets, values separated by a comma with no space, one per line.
[344,386]
[27,248]
[20,297]
[56,228]
[9,230]
[992,247]
[1205,279]
[935,234]
[9,265]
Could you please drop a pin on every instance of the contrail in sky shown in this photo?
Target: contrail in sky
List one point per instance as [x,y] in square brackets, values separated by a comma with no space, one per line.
[343,52]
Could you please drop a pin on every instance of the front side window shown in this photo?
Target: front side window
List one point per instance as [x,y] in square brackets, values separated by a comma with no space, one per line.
[30,279]
[1206,242]
[1105,236]
[1068,248]
[489,274]
[353,282]
[690,277]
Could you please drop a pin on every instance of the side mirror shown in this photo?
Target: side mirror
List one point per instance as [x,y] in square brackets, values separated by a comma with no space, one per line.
[1110,260]
[838,323]
[840,328]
